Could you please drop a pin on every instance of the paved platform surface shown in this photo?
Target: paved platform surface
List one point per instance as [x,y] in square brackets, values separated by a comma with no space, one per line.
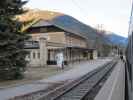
[79,70]
[114,87]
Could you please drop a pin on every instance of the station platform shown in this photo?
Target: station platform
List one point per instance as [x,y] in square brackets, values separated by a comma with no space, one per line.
[114,87]
[79,70]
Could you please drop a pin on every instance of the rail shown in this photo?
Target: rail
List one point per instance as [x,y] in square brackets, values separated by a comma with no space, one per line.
[95,78]
[80,89]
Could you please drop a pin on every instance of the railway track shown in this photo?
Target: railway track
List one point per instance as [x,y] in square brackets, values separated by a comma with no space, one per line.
[83,88]
[87,87]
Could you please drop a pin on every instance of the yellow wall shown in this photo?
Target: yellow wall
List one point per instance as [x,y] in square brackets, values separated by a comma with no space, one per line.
[60,37]
[56,37]
[76,41]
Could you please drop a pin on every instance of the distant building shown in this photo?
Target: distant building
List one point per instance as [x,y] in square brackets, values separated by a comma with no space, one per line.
[48,39]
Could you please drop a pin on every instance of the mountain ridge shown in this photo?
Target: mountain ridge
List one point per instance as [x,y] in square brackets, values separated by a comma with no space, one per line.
[72,24]
[117,39]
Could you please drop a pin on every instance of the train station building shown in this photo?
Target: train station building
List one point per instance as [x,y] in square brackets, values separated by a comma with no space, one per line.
[48,39]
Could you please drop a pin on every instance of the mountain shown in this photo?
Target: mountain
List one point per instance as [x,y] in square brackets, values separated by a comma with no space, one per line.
[73,25]
[117,39]
[31,14]
[61,20]
[76,26]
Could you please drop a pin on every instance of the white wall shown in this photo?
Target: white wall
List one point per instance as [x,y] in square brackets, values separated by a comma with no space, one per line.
[95,54]
[34,61]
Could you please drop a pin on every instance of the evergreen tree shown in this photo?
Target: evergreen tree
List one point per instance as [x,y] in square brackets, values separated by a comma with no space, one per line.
[12,53]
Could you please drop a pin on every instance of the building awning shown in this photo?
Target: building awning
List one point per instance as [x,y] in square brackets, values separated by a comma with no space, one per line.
[55,48]
[73,48]
[81,48]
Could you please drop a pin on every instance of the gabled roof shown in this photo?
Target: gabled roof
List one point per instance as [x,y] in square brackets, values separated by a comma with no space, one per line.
[44,23]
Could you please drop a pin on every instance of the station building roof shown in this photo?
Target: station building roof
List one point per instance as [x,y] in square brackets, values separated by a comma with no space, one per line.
[46,23]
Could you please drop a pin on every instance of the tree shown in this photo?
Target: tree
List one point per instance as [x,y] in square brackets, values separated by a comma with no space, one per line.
[12,53]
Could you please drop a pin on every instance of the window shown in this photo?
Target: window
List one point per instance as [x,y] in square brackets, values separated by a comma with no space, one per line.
[38,55]
[34,55]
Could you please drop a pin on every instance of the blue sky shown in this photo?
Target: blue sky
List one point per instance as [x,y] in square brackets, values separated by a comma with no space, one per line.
[113,15]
